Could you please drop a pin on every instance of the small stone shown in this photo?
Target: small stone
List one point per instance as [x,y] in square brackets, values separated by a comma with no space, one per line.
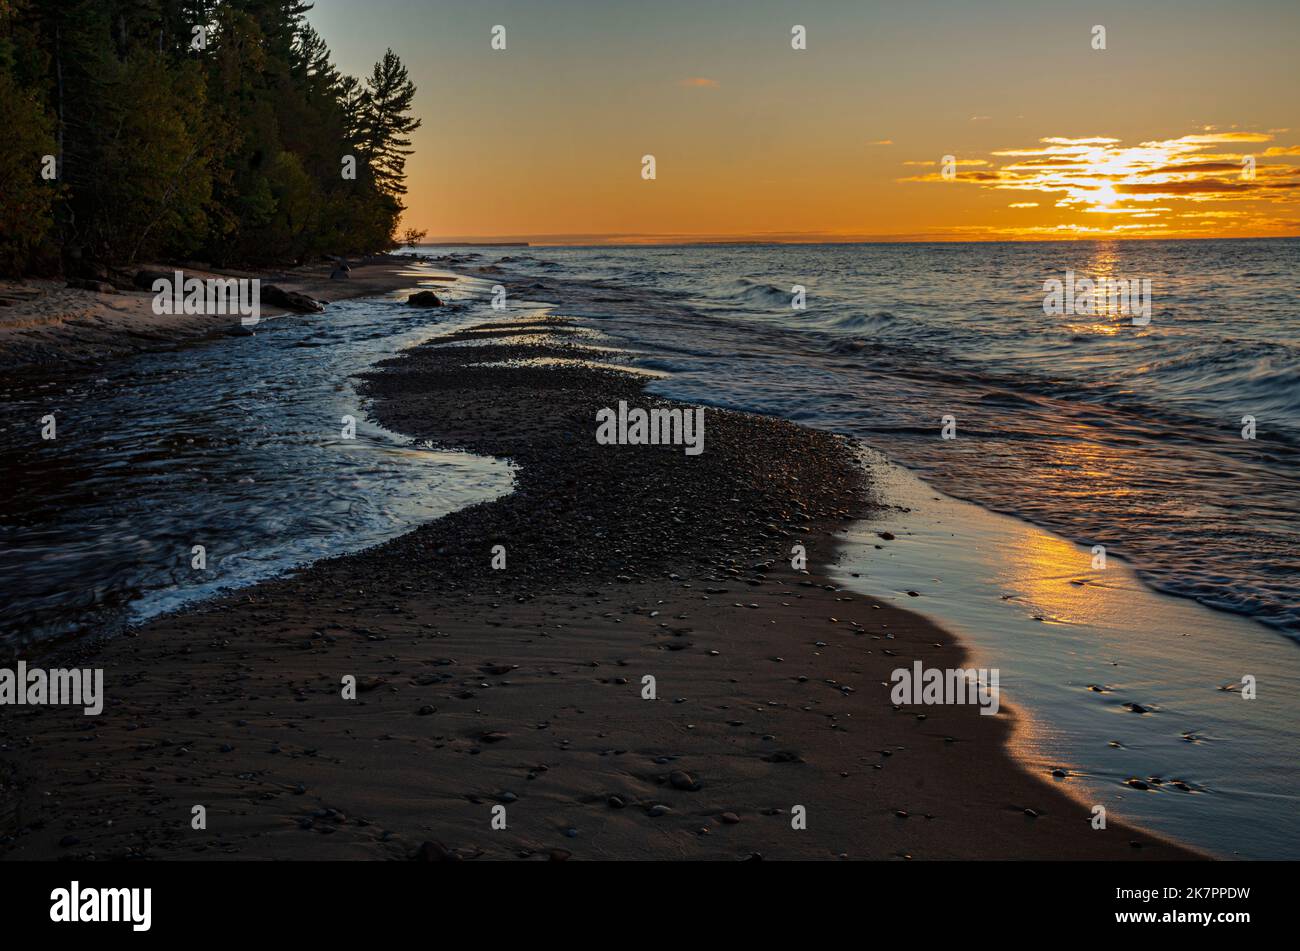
[680,779]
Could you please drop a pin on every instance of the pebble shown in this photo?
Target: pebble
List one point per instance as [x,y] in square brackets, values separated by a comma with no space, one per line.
[679,779]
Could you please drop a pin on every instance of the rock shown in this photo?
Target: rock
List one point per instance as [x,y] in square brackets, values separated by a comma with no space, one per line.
[679,779]
[424,299]
[339,274]
[1136,784]
[145,279]
[730,818]
[496,736]
[290,300]
[615,802]
[68,841]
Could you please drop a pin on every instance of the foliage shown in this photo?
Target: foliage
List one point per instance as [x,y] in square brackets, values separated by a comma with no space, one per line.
[230,142]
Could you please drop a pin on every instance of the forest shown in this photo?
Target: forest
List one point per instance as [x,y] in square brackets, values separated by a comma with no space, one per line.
[191,130]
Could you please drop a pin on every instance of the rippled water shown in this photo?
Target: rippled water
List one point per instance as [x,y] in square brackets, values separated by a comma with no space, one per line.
[1109,433]
[1073,644]
[236,445]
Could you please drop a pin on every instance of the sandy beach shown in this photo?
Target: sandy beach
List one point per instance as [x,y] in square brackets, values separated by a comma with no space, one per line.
[46,323]
[522,687]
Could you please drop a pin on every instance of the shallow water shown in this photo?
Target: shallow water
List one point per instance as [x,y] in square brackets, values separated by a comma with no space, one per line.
[236,445]
[1030,603]
[1106,432]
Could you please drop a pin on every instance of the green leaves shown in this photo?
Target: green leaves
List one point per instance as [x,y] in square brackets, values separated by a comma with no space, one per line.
[231,151]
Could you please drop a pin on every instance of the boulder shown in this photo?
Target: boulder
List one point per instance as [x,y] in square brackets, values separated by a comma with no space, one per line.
[145,279]
[424,299]
[290,300]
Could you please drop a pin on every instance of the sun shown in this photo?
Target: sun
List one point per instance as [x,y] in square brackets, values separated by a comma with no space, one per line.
[1105,195]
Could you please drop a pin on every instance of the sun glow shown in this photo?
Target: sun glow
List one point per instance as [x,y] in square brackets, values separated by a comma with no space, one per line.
[1159,188]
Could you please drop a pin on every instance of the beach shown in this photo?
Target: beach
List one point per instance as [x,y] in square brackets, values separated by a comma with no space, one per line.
[47,323]
[772,733]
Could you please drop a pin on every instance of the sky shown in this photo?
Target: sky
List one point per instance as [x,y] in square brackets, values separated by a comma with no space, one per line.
[1048,137]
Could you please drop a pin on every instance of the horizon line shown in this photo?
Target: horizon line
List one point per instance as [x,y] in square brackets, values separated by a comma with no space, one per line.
[653,240]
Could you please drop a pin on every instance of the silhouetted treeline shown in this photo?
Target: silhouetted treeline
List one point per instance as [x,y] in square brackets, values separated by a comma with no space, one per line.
[210,129]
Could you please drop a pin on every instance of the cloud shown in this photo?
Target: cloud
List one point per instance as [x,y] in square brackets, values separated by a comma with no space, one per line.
[957,162]
[699,82]
[882,142]
[1101,178]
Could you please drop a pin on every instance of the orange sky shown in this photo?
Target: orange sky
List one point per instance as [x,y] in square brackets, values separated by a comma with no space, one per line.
[843,140]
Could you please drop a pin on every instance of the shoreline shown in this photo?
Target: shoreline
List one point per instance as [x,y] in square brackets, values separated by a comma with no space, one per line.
[522,687]
[46,323]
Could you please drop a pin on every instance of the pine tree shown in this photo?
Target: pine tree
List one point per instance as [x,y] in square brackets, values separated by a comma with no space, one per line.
[385,123]
[232,151]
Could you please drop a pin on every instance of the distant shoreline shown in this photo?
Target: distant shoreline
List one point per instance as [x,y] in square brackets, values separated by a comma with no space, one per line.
[678,241]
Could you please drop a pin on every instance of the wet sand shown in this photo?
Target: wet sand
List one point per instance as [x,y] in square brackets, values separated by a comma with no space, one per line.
[523,687]
[46,323]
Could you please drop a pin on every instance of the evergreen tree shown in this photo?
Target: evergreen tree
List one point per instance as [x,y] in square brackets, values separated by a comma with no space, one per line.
[386,123]
[26,198]
[232,150]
